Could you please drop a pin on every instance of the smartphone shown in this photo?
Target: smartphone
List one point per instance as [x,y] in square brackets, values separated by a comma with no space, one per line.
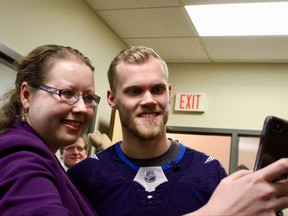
[273,143]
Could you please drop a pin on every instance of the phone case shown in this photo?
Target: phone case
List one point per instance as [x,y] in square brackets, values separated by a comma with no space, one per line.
[273,142]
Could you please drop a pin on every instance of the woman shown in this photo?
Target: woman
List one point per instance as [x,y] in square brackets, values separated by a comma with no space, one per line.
[51,106]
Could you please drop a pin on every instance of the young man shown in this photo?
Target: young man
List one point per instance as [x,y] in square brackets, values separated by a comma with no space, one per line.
[147,173]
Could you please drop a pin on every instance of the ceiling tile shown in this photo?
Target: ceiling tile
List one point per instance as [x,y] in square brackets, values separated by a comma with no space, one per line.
[123,4]
[164,25]
[155,22]
[174,49]
[247,49]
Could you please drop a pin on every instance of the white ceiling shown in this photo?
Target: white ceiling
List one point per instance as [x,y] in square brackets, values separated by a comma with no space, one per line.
[164,25]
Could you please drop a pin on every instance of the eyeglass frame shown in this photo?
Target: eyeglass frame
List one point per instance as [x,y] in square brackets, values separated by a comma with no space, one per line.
[72,148]
[78,94]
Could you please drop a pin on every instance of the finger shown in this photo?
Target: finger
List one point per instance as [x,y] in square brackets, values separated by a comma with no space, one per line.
[281,188]
[93,140]
[238,174]
[280,203]
[274,170]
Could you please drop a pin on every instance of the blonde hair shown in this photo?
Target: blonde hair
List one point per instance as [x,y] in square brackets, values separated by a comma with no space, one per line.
[133,55]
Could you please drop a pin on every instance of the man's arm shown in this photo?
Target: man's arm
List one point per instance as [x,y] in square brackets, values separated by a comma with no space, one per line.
[247,193]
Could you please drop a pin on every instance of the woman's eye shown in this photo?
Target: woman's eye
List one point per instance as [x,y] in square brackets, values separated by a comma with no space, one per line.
[89,98]
[68,94]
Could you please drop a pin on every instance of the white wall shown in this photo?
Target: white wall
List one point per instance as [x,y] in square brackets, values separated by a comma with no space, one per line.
[7,79]
[239,96]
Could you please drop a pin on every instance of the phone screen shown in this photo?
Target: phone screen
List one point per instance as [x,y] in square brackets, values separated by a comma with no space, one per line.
[273,142]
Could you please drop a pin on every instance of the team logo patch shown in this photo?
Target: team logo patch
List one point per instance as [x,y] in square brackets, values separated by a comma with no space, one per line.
[150,176]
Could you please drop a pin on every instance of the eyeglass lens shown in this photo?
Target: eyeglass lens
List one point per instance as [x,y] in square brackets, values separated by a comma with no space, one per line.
[72,148]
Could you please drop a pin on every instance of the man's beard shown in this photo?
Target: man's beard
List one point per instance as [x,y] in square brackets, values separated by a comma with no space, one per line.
[145,130]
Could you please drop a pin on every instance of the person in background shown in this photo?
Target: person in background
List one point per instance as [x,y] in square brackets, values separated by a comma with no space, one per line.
[73,154]
[149,174]
[52,104]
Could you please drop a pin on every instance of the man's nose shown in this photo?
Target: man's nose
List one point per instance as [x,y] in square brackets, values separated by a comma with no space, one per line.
[148,98]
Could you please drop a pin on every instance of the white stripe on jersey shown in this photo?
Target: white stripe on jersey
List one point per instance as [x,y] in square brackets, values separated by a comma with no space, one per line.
[94,156]
[209,159]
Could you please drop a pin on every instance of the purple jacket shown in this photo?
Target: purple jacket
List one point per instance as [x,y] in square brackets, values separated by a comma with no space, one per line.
[32,181]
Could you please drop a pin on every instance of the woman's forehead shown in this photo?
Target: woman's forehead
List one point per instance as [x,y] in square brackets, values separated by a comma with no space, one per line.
[71,73]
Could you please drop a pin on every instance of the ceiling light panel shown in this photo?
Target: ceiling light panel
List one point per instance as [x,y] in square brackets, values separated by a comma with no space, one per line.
[268,18]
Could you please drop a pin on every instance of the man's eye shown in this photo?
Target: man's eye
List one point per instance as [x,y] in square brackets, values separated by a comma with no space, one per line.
[134,92]
[158,90]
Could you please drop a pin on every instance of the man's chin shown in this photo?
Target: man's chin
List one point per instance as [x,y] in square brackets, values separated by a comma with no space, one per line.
[149,134]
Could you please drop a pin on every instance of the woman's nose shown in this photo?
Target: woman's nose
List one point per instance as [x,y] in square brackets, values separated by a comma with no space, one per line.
[80,105]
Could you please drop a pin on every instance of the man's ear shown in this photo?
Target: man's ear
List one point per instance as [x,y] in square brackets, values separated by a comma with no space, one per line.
[111,99]
[25,95]
[170,93]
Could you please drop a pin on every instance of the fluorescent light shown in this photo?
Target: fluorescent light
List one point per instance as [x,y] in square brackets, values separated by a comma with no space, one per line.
[269,18]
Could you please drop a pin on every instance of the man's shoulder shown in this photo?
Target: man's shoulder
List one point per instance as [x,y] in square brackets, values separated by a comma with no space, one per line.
[104,154]
[98,167]
[96,160]
[201,158]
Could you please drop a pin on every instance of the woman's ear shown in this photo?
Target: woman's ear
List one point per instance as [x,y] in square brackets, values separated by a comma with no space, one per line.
[25,95]
[111,99]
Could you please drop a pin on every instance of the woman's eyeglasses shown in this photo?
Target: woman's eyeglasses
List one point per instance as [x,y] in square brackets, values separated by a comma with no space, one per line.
[71,96]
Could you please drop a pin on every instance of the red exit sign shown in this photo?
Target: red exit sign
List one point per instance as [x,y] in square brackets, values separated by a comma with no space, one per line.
[190,102]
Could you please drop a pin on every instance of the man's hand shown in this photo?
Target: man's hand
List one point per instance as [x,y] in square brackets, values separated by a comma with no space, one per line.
[246,193]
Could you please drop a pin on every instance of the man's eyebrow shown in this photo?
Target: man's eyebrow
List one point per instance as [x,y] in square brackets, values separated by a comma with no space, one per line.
[127,88]
[140,87]
[162,85]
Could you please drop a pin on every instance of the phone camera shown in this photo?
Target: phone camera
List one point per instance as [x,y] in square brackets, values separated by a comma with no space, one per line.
[277,126]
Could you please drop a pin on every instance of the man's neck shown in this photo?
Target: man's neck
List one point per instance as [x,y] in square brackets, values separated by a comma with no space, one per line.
[137,148]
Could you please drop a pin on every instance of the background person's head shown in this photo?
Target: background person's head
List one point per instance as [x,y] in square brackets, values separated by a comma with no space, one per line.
[73,154]
[58,117]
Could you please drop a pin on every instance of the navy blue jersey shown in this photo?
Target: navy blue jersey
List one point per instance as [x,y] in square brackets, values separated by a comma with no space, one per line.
[107,179]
